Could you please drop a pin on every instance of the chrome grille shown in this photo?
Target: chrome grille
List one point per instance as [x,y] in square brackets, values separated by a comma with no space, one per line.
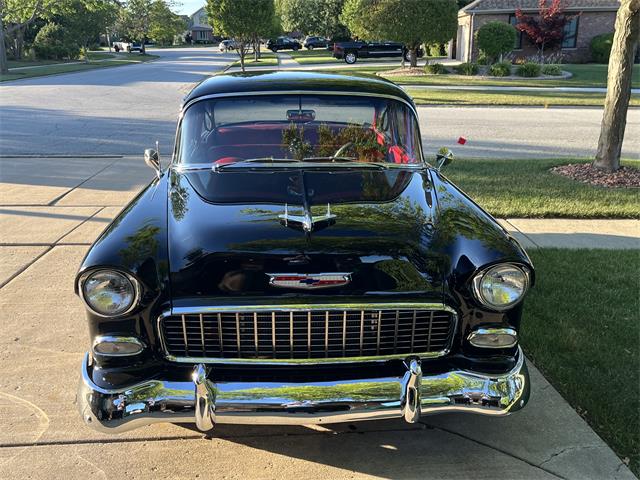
[307,334]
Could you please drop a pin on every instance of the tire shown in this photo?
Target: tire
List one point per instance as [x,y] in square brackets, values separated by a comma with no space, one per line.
[295,48]
[407,56]
[350,58]
[310,47]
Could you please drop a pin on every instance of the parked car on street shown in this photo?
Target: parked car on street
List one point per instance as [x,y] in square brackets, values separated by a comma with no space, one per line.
[283,43]
[299,261]
[315,42]
[351,51]
[227,45]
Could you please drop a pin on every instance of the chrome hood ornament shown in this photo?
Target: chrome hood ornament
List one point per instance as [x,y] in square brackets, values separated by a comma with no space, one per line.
[308,281]
[306,222]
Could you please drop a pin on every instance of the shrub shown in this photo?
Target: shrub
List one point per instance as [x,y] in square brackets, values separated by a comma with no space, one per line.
[483,59]
[601,47]
[496,39]
[467,68]
[551,70]
[435,50]
[501,69]
[529,69]
[52,43]
[435,68]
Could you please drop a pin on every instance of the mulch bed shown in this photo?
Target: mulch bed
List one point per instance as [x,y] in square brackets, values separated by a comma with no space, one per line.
[625,177]
[408,71]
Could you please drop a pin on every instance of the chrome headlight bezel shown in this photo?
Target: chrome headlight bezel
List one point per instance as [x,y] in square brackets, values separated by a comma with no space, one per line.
[476,284]
[130,278]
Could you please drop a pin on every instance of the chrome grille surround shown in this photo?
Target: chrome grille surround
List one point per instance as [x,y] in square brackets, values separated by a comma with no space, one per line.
[306,334]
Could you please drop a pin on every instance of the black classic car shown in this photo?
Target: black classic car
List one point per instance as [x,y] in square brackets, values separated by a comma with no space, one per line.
[351,51]
[299,261]
[283,43]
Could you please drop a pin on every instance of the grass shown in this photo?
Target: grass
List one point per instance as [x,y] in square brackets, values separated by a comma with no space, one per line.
[526,189]
[96,60]
[581,329]
[318,55]
[267,59]
[471,97]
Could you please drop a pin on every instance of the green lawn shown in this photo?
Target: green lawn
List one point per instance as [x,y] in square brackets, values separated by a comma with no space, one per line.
[96,60]
[581,328]
[267,59]
[470,97]
[525,188]
[318,55]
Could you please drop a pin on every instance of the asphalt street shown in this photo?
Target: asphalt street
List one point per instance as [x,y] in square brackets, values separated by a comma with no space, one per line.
[123,110]
[52,209]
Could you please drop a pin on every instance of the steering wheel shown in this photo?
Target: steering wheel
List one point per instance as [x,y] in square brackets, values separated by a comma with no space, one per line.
[342,149]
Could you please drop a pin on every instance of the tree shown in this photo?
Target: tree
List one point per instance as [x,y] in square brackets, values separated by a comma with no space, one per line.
[614,120]
[243,20]
[547,28]
[164,25]
[311,17]
[15,16]
[410,22]
[135,20]
[85,20]
[495,39]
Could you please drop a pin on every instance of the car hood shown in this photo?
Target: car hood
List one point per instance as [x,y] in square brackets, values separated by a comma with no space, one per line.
[226,237]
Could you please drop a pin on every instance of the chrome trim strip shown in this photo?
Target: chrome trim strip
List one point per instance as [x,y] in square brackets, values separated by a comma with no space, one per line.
[205,401]
[304,308]
[114,339]
[493,331]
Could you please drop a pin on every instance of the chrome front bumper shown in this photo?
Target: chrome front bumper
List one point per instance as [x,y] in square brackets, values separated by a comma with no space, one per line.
[206,403]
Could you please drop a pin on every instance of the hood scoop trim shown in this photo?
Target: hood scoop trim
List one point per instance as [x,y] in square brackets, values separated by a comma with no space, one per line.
[306,222]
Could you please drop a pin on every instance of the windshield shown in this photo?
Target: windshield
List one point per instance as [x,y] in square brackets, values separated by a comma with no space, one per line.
[318,128]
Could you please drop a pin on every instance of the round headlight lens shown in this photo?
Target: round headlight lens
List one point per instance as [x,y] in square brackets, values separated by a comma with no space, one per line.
[501,286]
[108,292]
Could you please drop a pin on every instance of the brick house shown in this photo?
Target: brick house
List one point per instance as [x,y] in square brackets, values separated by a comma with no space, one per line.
[591,18]
[199,28]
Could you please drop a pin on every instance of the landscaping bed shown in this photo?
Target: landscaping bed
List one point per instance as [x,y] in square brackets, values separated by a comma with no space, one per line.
[625,177]
[527,189]
[581,329]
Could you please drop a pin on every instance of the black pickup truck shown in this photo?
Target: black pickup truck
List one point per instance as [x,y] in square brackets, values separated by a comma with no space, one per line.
[351,51]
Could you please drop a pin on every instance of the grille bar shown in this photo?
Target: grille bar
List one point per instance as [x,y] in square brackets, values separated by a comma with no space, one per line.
[311,334]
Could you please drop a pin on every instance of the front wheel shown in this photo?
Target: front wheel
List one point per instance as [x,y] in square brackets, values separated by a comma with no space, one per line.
[350,58]
[309,47]
[407,56]
[295,49]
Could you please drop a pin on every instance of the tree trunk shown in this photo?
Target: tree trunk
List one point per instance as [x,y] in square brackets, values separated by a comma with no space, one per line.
[614,120]
[242,51]
[4,66]
[19,42]
[413,57]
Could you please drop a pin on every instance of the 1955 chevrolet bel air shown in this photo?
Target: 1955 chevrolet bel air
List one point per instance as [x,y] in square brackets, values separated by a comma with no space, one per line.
[300,262]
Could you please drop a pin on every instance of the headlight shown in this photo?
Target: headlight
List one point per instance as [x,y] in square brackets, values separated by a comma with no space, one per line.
[109,293]
[501,286]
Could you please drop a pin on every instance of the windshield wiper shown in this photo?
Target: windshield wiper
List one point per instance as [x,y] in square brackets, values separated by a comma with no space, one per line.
[217,168]
[330,159]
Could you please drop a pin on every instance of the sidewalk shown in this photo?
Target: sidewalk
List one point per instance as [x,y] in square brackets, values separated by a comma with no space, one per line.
[570,233]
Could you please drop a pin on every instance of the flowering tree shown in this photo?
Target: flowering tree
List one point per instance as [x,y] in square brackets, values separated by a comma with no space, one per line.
[545,29]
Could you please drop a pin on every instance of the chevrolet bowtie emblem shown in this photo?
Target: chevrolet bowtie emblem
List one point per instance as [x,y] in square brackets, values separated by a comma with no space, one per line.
[308,281]
[306,222]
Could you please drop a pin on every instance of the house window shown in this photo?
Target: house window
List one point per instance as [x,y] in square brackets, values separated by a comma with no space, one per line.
[570,36]
[514,21]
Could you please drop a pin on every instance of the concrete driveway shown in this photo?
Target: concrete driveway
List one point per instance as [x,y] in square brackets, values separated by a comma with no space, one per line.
[51,210]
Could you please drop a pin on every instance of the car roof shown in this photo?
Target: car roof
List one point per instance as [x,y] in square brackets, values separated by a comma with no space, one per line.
[295,81]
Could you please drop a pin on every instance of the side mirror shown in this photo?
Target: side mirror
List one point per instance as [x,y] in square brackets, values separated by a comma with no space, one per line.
[152,159]
[443,158]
